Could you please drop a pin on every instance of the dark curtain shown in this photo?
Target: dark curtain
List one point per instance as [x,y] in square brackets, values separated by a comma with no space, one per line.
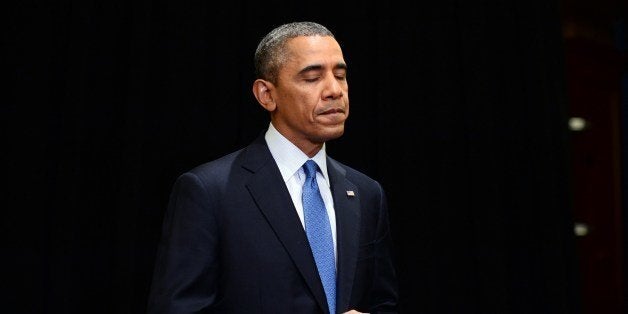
[457,108]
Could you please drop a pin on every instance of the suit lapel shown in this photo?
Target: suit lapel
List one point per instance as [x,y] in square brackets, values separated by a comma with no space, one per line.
[347,209]
[276,205]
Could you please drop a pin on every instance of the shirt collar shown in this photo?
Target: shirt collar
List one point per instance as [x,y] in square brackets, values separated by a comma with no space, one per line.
[289,157]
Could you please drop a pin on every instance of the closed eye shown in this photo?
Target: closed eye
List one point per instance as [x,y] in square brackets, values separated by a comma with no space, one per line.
[311,79]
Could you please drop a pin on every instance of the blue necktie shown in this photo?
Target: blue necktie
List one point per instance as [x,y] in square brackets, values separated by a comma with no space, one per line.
[318,232]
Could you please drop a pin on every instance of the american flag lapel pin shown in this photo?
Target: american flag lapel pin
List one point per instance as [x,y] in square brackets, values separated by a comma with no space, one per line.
[350,193]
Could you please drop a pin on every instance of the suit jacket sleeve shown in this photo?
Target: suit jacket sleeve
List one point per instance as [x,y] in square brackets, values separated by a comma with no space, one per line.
[385,287]
[186,268]
[376,259]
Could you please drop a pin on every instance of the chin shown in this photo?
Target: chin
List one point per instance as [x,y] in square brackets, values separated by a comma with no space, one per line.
[330,134]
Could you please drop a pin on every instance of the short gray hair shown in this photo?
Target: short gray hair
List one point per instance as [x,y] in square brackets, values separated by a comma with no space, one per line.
[271,53]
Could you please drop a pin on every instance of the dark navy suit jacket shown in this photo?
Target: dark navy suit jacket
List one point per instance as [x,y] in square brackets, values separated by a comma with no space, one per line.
[232,242]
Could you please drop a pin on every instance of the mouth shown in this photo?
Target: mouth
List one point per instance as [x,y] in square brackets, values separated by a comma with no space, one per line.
[332,116]
[332,111]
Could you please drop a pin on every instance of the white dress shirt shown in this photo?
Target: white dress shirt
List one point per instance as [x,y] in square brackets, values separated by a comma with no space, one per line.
[290,160]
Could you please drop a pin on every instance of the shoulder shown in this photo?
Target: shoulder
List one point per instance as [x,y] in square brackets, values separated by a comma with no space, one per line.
[216,166]
[356,176]
[233,167]
[217,169]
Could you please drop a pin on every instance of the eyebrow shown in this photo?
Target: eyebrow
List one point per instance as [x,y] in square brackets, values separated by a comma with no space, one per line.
[318,67]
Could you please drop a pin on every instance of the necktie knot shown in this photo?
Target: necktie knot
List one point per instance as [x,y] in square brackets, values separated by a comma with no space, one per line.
[310,168]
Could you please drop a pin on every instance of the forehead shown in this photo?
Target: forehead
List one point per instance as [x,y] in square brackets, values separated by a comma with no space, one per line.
[306,50]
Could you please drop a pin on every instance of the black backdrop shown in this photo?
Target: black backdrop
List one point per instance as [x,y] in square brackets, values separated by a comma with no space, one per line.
[458,108]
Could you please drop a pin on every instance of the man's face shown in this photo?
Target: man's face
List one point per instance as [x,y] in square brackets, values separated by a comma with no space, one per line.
[311,94]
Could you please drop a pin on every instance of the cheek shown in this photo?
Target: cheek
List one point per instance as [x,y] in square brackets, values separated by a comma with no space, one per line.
[306,105]
[303,103]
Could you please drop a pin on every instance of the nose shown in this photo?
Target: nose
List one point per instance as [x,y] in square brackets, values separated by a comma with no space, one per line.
[334,88]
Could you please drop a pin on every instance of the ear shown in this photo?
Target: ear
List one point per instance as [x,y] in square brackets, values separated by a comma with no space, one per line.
[262,91]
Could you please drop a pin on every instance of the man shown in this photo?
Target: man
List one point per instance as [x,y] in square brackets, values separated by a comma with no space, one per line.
[242,234]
